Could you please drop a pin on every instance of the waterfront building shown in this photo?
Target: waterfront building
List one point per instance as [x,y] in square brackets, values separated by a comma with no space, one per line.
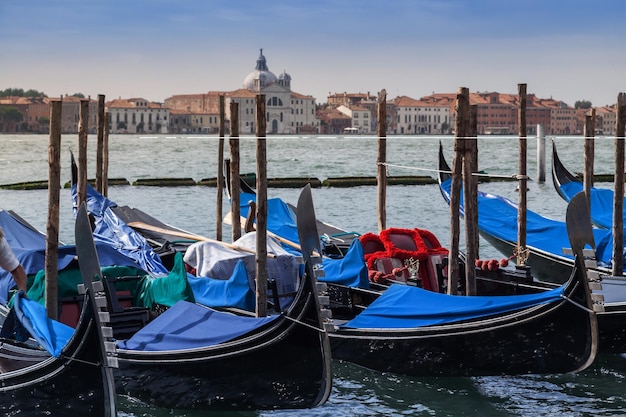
[418,117]
[606,120]
[137,115]
[360,119]
[287,112]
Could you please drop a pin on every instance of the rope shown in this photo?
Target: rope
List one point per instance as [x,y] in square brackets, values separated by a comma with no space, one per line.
[69,358]
[305,324]
[582,307]
[475,174]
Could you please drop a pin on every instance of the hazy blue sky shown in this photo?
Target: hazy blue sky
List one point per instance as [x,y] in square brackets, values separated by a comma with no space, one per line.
[568,50]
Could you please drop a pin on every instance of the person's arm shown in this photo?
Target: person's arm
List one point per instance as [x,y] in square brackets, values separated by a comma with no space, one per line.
[19,276]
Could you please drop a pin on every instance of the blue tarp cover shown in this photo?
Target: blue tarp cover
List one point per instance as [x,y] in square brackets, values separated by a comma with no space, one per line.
[405,307]
[187,326]
[497,216]
[350,270]
[30,248]
[601,202]
[113,232]
[51,335]
[233,292]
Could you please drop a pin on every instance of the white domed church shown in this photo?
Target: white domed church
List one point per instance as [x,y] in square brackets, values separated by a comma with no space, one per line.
[287,112]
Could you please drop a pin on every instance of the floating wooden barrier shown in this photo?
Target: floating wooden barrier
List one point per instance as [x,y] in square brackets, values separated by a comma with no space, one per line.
[359,181]
[165,182]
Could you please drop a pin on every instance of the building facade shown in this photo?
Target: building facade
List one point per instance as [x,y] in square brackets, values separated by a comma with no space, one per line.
[137,116]
[287,112]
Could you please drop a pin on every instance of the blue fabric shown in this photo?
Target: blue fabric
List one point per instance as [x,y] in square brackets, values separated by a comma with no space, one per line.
[281,220]
[601,203]
[405,307]
[113,232]
[187,326]
[497,216]
[234,292]
[350,270]
[29,247]
[51,335]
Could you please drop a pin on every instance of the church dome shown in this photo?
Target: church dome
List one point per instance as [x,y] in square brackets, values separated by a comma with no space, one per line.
[284,76]
[261,73]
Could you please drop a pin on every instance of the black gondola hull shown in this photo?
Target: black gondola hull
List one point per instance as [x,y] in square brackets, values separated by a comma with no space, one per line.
[75,384]
[554,338]
[283,365]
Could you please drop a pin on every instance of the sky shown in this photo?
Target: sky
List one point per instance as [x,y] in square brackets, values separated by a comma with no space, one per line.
[568,50]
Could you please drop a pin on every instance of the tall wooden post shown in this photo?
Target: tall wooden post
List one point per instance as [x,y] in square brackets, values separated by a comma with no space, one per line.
[460,141]
[105,155]
[83,128]
[235,203]
[589,133]
[382,160]
[618,198]
[52,226]
[100,147]
[470,198]
[219,205]
[261,208]
[523,178]
[541,154]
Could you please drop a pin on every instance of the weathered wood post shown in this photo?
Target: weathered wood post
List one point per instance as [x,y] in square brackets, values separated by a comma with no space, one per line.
[461,133]
[105,155]
[235,203]
[52,226]
[522,177]
[382,160]
[83,128]
[541,154]
[261,208]
[219,205]
[100,145]
[618,198]
[589,133]
[470,195]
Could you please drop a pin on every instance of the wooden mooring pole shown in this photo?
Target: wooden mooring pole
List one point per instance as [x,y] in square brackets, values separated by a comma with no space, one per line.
[105,155]
[522,177]
[83,128]
[52,226]
[219,205]
[618,197]
[261,208]
[382,160]
[470,198]
[589,133]
[541,154]
[235,203]
[100,145]
[461,133]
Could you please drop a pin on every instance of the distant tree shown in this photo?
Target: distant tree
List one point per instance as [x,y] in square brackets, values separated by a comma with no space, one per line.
[582,104]
[19,92]
[79,95]
[11,114]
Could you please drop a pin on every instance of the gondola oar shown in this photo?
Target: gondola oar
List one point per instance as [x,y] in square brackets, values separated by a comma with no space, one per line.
[190,236]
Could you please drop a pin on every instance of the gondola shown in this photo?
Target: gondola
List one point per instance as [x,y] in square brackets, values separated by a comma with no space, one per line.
[59,370]
[567,185]
[545,240]
[194,357]
[408,330]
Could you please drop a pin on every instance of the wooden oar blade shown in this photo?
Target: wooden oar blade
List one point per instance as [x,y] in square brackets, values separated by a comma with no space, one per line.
[579,226]
[307,224]
[88,261]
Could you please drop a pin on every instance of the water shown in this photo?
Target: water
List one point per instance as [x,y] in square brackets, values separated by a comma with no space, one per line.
[599,390]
